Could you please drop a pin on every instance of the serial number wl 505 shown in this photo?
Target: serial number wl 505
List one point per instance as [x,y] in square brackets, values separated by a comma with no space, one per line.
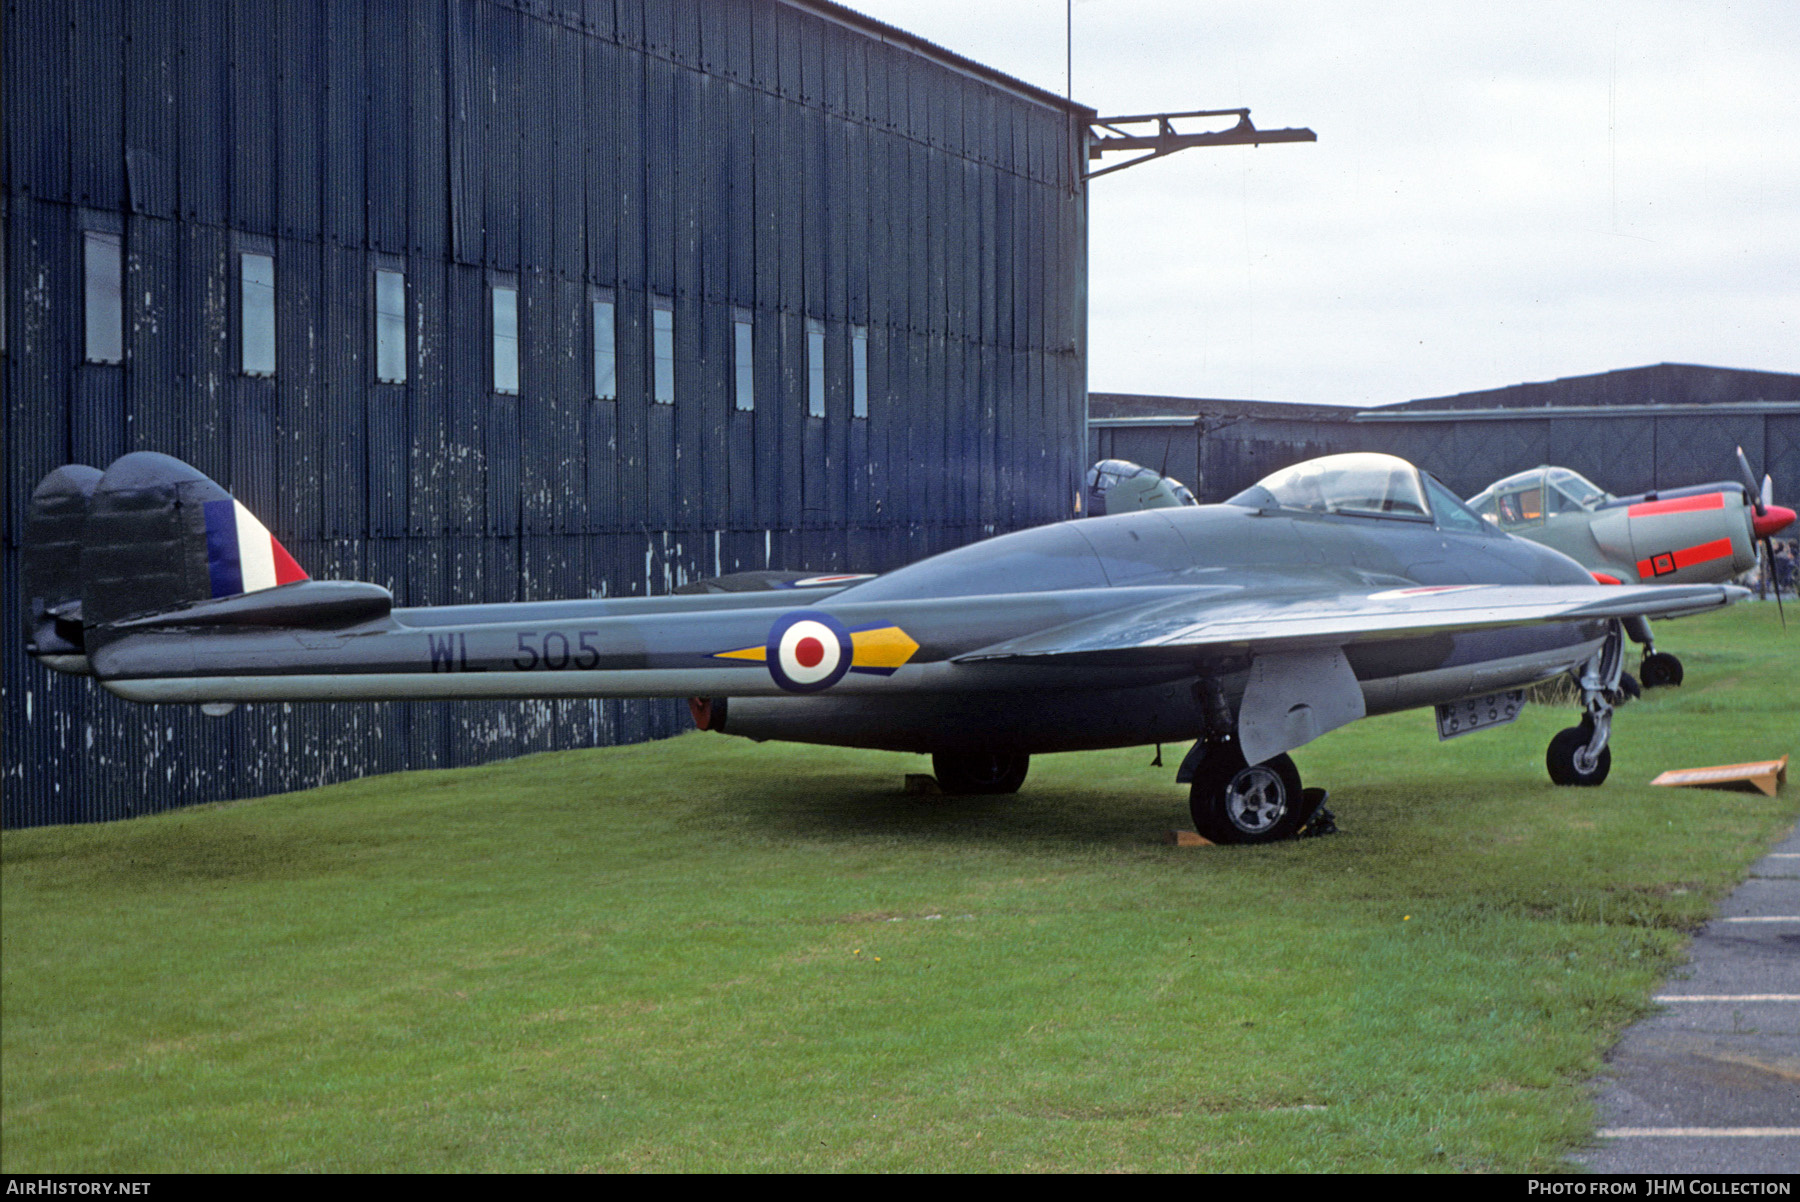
[552,650]
[1479,713]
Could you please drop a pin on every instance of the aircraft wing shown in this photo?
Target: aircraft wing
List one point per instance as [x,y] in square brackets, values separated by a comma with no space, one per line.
[1274,620]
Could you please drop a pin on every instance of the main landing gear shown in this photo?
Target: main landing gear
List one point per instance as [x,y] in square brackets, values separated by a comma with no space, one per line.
[1235,802]
[980,771]
[1658,669]
[1580,755]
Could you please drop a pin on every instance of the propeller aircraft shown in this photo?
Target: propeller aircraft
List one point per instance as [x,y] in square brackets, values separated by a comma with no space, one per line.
[1333,589]
[1701,533]
[1121,486]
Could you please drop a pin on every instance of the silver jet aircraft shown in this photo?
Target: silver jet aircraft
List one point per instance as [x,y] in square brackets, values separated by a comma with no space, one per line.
[1339,587]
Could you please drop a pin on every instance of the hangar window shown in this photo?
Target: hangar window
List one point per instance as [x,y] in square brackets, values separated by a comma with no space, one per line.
[256,314]
[105,298]
[859,371]
[662,335]
[606,350]
[506,340]
[390,327]
[815,367]
[743,338]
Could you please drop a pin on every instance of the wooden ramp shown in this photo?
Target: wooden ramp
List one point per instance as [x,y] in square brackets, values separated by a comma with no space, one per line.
[1766,775]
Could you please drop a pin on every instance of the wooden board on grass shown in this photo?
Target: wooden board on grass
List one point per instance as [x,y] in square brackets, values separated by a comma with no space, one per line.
[1766,775]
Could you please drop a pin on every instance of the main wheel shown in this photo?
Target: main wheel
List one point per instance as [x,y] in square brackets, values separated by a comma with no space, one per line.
[1560,758]
[980,771]
[1659,669]
[1237,803]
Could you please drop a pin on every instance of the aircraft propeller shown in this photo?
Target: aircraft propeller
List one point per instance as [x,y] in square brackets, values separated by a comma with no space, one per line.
[1770,517]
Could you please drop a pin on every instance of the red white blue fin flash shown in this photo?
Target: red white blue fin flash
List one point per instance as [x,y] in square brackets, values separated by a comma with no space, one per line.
[242,555]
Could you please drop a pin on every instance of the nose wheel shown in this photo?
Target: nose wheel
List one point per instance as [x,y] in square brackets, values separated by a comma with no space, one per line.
[1580,755]
[1571,760]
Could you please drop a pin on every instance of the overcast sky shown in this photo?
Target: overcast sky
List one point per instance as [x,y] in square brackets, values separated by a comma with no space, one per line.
[1499,193]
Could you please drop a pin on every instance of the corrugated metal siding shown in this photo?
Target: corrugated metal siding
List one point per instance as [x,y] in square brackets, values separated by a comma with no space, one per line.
[721,153]
[1630,453]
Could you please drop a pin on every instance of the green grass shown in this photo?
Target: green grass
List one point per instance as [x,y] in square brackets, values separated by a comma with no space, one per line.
[706,954]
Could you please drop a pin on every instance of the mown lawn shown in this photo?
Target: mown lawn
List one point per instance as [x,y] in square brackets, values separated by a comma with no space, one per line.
[706,954]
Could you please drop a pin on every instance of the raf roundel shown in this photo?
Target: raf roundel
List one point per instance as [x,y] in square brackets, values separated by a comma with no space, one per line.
[808,651]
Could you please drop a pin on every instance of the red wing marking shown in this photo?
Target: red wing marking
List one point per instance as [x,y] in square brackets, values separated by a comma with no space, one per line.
[1687,557]
[1711,500]
[1423,590]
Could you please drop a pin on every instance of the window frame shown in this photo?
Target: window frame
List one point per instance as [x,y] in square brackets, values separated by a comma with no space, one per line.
[815,367]
[859,372]
[378,316]
[600,298]
[743,361]
[510,287]
[93,302]
[662,336]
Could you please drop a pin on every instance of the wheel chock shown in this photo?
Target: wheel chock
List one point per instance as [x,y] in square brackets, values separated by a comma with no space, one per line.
[1186,839]
[1766,775]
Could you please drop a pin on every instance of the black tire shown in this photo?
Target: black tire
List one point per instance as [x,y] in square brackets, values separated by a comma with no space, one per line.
[1660,670]
[1560,758]
[1232,802]
[980,771]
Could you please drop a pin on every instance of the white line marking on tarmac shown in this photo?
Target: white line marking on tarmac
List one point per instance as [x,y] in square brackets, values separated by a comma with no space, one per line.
[1784,855]
[1765,918]
[1698,1132]
[1726,997]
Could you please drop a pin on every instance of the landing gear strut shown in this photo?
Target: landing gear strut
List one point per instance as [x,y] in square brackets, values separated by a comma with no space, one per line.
[1580,755]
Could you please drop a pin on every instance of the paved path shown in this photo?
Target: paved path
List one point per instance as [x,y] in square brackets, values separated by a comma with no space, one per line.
[1711,1084]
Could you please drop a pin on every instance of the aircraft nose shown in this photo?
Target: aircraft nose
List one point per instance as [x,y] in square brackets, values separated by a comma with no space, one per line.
[1773,520]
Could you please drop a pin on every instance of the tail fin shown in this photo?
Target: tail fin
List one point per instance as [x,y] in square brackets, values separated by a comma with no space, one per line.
[160,535]
[50,566]
[149,536]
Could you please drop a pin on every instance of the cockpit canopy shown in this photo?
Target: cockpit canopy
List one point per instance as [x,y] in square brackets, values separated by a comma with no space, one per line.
[1362,484]
[1528,498]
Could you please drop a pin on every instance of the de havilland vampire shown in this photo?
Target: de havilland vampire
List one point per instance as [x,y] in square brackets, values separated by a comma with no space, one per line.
[1339,587]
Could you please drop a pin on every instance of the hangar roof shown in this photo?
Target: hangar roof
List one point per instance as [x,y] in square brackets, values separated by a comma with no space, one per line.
[1662,387]
[1658,384]
[893,36]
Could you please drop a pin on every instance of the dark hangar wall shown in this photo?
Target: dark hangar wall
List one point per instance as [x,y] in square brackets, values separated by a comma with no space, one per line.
[787,163]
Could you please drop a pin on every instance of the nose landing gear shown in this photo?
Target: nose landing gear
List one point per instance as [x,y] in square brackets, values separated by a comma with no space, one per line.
[1580,755]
